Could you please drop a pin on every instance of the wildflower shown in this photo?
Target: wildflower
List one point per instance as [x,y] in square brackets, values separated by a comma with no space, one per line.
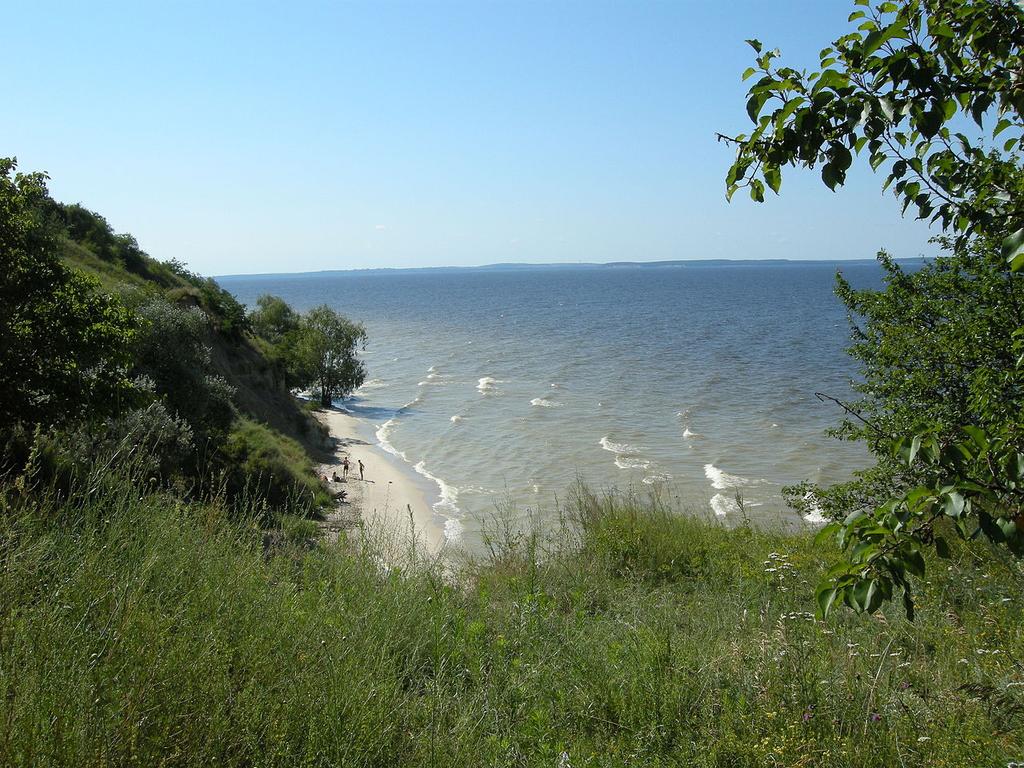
[875,717]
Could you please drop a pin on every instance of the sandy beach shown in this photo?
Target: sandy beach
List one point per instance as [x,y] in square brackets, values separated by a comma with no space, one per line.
[387,496]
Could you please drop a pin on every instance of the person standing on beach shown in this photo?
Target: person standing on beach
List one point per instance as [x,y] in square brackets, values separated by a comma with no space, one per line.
[344,468]
[361,468]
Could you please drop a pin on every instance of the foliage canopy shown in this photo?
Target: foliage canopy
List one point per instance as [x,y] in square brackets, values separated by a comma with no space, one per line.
[932,91]
[64,347]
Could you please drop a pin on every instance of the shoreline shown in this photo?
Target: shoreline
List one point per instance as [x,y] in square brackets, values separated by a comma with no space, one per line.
[389,495]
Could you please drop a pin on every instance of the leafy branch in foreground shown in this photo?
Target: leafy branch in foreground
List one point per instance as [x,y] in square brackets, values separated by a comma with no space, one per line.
[972,484]
[904,86]
[943,347]
[976,484]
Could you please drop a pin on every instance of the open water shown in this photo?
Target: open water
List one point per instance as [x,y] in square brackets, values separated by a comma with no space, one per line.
[506,385]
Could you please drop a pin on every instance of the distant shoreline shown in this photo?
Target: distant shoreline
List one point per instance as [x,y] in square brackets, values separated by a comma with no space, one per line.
[527,266]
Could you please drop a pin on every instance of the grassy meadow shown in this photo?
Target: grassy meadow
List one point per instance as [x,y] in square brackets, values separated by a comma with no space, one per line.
[137,629]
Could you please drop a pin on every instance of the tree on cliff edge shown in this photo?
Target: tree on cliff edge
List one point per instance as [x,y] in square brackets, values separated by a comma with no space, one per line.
[323,353]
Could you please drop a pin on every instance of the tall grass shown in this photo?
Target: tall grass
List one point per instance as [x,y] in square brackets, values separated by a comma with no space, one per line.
[138,630]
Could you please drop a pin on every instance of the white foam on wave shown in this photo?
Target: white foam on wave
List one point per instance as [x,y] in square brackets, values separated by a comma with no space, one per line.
[608,445]
[373,384]
[543,402]
[456,418]
[723,505]
[487,385]
[631,462]
[431,369]
[625,454]
[657,477]
[384,438]
[723,480]
[447,505]
[687,432]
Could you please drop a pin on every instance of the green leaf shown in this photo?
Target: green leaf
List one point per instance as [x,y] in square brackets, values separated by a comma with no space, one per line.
[941,548]
[1001,126]
[914,562]
[907,448]
[788,109]
[908,602]
[830,78]
[748,72]
[952,503]
[829,176]
[826,599]
[755,44]
[929,123]
[978,436]
[1013,250]
[877,39]
[774,178]
[754,104]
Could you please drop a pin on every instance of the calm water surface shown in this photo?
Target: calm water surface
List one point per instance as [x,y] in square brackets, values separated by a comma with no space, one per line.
[496,385]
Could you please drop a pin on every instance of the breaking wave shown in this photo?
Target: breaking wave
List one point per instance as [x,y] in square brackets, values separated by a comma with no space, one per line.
[373,384]
[723,480]
[608,445]
[384,438]
[543,402]
[723,505]
[487,385]
[447,505]
[631,462]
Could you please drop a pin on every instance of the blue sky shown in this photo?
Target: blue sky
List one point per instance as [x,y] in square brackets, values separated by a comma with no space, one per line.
[253,137]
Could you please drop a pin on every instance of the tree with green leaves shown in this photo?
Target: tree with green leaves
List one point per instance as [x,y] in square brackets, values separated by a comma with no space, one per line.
[273,318]
[65,348]
[932,93]
[323,353]
[903,88]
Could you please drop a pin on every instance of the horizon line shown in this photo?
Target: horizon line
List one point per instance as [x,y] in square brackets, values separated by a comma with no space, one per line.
[514,265]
